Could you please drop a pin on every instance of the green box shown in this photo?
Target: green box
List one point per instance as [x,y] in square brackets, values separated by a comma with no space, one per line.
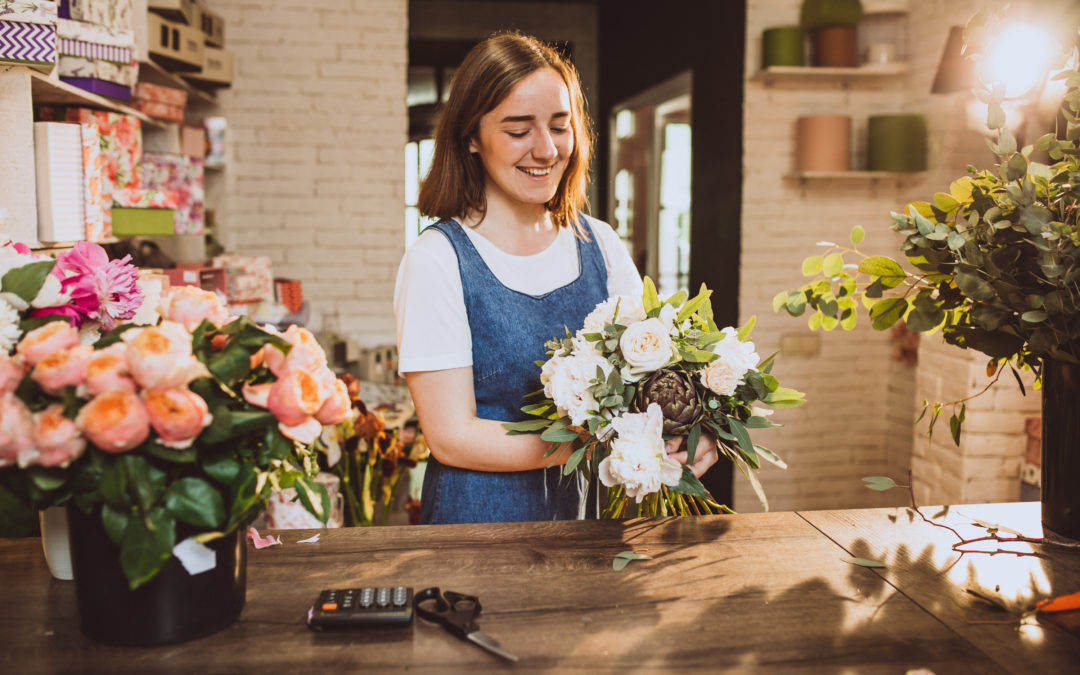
[142,222]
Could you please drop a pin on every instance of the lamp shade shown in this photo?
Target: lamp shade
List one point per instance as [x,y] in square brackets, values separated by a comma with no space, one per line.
[896,143]
[782,46]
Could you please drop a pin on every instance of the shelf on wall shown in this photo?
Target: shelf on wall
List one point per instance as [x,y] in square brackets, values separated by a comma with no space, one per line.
[774,74]
[44,89]
[152,72]
[54,247]
[885,7]
[854,176]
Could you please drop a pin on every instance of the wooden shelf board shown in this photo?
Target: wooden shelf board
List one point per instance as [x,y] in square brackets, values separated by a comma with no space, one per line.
[885,7]
[813,73]
[854,176]
[151,71]
[45,89]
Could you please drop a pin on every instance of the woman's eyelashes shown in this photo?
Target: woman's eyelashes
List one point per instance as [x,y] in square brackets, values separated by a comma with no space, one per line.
[523,134]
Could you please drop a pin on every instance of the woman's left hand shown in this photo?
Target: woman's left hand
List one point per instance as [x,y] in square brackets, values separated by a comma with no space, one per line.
[705,456]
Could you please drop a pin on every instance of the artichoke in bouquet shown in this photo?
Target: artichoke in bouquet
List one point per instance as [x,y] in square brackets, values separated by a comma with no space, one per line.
[678,398]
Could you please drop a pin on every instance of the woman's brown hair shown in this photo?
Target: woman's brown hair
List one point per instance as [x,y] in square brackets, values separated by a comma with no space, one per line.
[454,186]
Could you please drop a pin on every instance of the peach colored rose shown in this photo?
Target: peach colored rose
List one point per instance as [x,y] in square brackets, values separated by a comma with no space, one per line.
[189,305]
[177,415]
[115,421]
[306,353]
[61,369]
[56,437]
[305,432]
[337,406]
[257,394]
[159,357]
[53,337]
[295,397]
[11,374]
[108,370]
[16,432]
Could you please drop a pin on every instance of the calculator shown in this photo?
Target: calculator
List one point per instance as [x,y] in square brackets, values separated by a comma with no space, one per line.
[367,606]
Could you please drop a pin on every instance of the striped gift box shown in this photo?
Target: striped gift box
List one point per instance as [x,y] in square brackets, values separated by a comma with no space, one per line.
[89,50]
[77,38]
[58,157]
[32,44]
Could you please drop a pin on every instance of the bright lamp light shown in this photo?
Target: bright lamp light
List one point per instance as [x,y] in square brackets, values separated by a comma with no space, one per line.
[1019,58]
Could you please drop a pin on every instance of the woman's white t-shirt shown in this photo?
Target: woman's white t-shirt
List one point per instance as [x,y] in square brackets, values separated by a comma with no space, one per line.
[429,304]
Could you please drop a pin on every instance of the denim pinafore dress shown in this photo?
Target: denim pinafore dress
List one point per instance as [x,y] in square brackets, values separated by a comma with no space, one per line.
[509,329]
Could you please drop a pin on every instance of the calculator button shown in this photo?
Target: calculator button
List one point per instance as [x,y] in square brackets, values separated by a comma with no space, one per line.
[367,596]
[329,607]
[400,596]
[382,598]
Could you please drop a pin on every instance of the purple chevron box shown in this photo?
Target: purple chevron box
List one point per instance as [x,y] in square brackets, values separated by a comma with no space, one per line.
[28,33]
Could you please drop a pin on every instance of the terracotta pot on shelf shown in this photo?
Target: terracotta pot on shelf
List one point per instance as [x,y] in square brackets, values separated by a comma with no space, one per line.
[823,143]
[834,46]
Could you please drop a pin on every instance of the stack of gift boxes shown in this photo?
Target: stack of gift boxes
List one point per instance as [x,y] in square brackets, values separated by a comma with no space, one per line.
[28,33]
[96,46]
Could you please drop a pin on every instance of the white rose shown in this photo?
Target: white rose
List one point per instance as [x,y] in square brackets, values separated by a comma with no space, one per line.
[726,373]
[630,310]
[637,460]
[566,381]
[647,347]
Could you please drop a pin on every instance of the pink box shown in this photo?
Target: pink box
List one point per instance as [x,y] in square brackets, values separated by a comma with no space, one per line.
[93,166]
[184,176]
[160,94]
[121,152]
[193,141]
[250,277]
[142,198]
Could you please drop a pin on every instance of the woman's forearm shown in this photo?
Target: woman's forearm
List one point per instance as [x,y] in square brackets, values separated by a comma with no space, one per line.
[483,445]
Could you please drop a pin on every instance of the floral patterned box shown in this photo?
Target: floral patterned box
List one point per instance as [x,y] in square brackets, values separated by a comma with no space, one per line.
[98,69]
[92,41]
[121,150]
[29,11]
[115,14]
[250,277]
[143,198]
[93,167]
[184,176]
[160,94]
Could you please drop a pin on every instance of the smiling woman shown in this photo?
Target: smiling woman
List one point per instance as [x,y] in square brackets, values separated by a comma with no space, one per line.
[512,262]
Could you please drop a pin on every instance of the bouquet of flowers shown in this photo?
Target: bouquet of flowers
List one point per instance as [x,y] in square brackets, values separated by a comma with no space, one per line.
[370,454]
[641,371]
[170,432]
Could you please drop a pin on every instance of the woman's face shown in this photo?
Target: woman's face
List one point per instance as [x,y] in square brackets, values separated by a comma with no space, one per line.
[526,141]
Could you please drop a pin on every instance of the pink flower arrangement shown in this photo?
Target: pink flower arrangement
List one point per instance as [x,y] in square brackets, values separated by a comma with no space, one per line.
[100,289]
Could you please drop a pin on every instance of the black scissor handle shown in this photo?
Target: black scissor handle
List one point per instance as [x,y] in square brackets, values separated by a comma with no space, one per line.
[456,611]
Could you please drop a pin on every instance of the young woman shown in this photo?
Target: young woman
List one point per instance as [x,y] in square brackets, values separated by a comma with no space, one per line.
[512,263]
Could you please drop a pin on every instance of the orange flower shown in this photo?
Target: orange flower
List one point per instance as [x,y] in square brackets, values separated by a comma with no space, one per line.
[177,415]
[115,421]
[44,340]
[66,368]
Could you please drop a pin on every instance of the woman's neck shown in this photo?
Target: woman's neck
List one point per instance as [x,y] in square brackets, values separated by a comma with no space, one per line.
[516,231]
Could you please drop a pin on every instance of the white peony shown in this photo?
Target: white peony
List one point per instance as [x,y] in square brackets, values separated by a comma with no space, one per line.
[630,311]
[646,347]
[726,373]
[637,460]
[9,327]
[566,381]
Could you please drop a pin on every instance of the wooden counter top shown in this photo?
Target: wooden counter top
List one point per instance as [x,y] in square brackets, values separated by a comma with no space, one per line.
[759,592]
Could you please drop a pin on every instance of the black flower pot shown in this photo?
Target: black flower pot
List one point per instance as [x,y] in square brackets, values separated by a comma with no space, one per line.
[1061,448]
[173,607]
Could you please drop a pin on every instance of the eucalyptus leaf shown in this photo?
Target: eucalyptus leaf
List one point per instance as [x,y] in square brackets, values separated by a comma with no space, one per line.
[863,562]
[880,483]
[623,559]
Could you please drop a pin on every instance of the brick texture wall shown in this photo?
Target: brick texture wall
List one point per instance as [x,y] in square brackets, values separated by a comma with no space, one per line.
[317,129]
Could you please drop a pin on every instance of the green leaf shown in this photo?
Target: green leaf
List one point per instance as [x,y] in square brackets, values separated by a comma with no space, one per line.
[573,461]
[886,269]
[146,546]
[314,497]
[857,235]
[782,397]
[17,518]
[1043,142]
[115,522]
[974,287]
[884,313]
[956,241]
[1015,169]
[172,455]
[693,305]
[995,116]
[114,483]
[677,299]
[689,484]
[833,264]
[243,494]
[623,559]
[812,265]
[863,562]
[649,299]
[222,469]
[880,483]
[195,502]
[779,301]
[742,437]
[1034,316]
[743,334]
[692,440]
[231,365]
[47,479]
[796,303]
[146,480]
[559,435]
[27,280]
[527,425]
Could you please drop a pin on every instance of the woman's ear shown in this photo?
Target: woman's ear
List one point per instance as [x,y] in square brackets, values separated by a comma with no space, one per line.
[473,148]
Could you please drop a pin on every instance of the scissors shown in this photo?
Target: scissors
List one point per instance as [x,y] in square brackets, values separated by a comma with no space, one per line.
[457,612]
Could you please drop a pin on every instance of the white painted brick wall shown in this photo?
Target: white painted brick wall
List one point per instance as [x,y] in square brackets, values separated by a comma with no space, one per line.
[317,126]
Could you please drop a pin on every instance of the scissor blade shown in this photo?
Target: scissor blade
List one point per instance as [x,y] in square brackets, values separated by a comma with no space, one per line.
[491,644]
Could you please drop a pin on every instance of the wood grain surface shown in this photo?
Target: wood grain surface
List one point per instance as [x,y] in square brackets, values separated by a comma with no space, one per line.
[754,592]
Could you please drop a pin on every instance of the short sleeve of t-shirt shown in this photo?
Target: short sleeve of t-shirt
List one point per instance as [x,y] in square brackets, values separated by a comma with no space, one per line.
[429,304]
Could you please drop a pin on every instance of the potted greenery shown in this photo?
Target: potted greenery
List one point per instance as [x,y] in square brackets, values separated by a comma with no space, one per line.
[997,270]
[163,440]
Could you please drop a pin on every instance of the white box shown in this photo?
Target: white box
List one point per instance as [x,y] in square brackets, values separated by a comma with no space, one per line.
[58,158]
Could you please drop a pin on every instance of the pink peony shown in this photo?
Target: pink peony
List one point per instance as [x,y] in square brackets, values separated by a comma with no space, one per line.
[56,438]
[305,432]
[177,415]
[107,370]
[11,373]
[189,305]
[16,428]
[257,394]
[159,357]
[109,289]
[337,406]
[295,397]
[115,421]
[306,353]
[61,369]
[44,340]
